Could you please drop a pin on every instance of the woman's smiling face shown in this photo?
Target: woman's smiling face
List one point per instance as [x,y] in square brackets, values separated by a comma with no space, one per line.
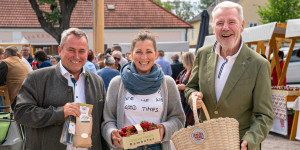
[143,56]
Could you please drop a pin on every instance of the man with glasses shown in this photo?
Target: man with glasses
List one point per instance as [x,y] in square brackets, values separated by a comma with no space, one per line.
[122,60]
[26,54]
[117,56]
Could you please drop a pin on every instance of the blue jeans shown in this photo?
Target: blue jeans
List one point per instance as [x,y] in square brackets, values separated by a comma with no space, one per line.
[149,147]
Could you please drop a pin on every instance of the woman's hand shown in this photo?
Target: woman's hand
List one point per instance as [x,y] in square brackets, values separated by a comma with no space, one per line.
[244,145]
[161,131]
[198,96]
[115,137]
[180,86]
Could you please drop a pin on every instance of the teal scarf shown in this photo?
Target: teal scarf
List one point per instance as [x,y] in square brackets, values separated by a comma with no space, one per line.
[138,84]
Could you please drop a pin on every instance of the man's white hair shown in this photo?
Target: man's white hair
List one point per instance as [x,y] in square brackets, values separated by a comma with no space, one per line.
[229,4]
[116,52]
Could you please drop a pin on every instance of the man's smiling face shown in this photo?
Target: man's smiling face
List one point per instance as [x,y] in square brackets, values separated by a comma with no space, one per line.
[228,27]
[74,53]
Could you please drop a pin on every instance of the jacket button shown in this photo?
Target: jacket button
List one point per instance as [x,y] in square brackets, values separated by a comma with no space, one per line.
[216,112]
[69,90]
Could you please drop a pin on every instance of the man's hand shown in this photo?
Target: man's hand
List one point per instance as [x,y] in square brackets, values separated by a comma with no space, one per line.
[116,138]
[71,109]
[244,145]
[198,96]
[180,86]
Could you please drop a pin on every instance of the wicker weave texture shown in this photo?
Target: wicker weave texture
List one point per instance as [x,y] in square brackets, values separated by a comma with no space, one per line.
[221,134]
[213,134]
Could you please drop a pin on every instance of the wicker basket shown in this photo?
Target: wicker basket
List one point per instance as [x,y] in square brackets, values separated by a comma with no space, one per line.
[213,134]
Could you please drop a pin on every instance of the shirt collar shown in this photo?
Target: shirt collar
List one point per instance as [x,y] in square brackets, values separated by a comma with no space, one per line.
[64,71]
[217,46]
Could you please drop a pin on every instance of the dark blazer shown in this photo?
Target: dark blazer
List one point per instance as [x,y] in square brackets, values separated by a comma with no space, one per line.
[176,67]
[40,107]
[246,95]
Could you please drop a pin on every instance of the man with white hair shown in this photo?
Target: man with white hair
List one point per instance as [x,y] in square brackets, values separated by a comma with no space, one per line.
[108,72]
[117,55]
[232,80]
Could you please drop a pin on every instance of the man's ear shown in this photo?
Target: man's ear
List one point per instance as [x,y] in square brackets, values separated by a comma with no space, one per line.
[242,26]
[59,50]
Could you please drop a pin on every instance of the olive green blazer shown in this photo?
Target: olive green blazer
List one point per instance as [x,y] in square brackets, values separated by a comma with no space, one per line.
[246,95]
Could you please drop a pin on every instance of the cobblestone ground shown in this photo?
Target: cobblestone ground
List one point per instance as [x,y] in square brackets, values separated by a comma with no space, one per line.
[278,142]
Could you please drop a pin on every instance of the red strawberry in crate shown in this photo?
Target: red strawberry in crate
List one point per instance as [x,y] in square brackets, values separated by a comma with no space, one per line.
[130,129]
[121,133]
[145,125]
[124,129]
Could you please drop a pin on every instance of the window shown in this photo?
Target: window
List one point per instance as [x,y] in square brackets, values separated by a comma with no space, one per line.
[294,58]
[252,24]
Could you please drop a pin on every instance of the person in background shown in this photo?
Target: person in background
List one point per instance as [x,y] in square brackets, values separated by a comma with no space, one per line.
[108,51]
[117,56]
[128,56]
[142,84]
[25,61]
[89,64]
[165,66]
[188,59]
[122,60]
[232,80]
[48,96]
[176,66]
[1,54]
[108,72]
[12,72]
[54,60]
[100,60]
[42,59]
[274,73]
[26,54]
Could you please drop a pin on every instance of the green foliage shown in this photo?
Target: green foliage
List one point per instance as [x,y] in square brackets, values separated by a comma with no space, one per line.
[165,5]
[55,15]
[279,11]
[182,8]
[205,3]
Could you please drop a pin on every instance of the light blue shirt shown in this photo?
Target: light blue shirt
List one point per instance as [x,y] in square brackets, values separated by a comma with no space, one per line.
[165,66]
[90,66]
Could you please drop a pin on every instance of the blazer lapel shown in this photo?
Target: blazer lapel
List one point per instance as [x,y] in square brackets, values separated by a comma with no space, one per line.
[240,65]
[88,95]
[211,69]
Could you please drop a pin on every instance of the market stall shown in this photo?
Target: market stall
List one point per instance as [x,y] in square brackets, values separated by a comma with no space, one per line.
[293,33]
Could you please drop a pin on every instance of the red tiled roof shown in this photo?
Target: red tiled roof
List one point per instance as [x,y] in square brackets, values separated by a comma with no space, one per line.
[127,14]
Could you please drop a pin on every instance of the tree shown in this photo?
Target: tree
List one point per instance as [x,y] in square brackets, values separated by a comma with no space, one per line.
[205,3]
[163,4]
[279,11]
[56,20]
[183,9]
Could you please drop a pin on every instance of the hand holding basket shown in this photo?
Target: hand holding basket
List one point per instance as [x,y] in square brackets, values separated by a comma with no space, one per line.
[213,134]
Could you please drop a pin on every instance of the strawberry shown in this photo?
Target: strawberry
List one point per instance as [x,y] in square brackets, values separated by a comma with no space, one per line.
[130,129]
[121,133]
[124,129]
[145,125]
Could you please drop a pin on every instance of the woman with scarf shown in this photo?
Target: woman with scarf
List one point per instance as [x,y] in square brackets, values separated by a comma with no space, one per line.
[182,79]
[142,92]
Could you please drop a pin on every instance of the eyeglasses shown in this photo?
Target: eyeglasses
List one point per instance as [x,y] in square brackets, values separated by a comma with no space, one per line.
[117,58]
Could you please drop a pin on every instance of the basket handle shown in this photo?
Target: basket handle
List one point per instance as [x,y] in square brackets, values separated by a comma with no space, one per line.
[196,117]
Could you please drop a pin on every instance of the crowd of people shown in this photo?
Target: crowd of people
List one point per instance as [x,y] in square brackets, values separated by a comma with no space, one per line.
[228,77]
